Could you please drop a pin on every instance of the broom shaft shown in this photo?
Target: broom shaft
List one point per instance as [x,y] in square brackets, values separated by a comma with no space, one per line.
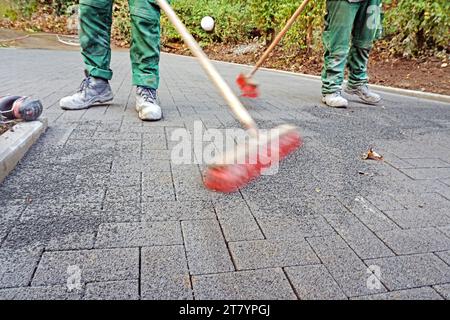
[278,38]
[226,92]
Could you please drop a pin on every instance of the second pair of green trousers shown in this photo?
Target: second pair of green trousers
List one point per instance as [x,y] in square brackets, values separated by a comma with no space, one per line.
[95,34]
[350,30]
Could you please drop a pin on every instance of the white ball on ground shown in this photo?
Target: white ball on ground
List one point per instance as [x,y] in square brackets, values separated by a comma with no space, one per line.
[207,24]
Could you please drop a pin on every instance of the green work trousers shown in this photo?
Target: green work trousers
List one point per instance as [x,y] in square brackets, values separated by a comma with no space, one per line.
[350,30]
[95,34]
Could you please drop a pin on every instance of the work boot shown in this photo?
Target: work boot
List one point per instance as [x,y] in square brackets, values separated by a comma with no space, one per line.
[364,93]
[146,104]
[335,100]
[92,91]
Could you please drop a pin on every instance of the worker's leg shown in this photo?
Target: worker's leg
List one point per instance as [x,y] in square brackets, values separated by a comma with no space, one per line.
[336,41]
[145,43]
[95,33]
[366,29]
[367,26]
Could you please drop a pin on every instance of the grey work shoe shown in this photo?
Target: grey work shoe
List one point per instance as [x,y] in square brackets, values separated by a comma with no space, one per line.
[92,91]
[146,104]
[364,93]
[335,100]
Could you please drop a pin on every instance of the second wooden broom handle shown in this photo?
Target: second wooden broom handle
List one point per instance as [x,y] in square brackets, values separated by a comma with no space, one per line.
[234,103]
[279,37]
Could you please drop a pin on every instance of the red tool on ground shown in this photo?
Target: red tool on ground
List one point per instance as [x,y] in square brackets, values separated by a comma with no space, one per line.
[20,108]
[237,167]
[248,87]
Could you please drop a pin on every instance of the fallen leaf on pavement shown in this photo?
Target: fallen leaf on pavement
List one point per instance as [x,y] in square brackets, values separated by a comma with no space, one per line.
[372,155]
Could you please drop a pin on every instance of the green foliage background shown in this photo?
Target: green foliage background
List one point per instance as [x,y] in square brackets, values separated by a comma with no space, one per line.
[411,27]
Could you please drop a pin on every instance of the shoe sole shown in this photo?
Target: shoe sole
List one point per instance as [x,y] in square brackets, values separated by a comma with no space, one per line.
[337,107]
[88,105]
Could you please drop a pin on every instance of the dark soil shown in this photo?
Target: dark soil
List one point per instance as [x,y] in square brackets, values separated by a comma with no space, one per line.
[428,74]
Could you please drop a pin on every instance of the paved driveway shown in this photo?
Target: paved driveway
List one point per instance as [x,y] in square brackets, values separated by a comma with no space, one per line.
[97,209]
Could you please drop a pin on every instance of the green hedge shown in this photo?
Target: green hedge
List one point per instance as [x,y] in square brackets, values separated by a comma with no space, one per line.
[411,26]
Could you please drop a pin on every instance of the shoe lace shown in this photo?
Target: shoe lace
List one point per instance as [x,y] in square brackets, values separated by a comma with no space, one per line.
[148,94]
[85,84]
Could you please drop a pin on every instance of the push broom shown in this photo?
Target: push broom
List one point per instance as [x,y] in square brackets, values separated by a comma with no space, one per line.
[237,167]
[248,87]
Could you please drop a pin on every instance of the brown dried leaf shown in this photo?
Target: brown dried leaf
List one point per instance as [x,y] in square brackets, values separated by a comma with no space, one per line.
[372,155]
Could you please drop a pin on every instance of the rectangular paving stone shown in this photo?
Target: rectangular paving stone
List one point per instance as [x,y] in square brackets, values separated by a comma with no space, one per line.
[428,163]
[415,240]
[188,183]
[424,293]
[314,282]
[164,274]
[154,142]
[428,173]
[420,218]
[241,229]
[358,236]
[236,219]
[268,284]
[112,290]
[443,290]
[145,165]
[205,247]
[157,186]
[121,211]
[294,227]
[95,266]
[177,210]
[114,235]
[345,267]
[444,255]
[404,272]
[384,202]
[262,254]
[17,266]
[40,293]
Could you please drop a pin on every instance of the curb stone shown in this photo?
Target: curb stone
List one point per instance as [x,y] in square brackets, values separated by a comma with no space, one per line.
[15,144]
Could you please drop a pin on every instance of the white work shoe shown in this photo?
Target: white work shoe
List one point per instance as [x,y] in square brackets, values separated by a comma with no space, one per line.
[146,104]
[335,100]
[364,94]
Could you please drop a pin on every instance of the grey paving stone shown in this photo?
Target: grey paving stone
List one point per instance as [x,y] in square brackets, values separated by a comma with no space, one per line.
[17,266]
[358,236]
[445,230]
[404,272]
[146,165]
[40,293]
[188,183]
[419,218]
[112,290]
[261,254]
[424,293]
[384,202]
[269,284]
[444,255]
[428,173]
[314,282]
[294,227]
[177,210]
[205,247]
[428,163]
[344,265]
[164,274]
[157,186]
[114,235]
[121,211]
[95,266]
[154,142]
[241,229]
[415,240]
[443,290]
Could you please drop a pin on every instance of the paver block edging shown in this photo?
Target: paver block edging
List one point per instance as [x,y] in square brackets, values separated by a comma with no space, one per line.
[15,144]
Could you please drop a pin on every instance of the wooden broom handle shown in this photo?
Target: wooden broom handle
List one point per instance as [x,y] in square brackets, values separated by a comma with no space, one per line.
[231,99]
[278,38]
